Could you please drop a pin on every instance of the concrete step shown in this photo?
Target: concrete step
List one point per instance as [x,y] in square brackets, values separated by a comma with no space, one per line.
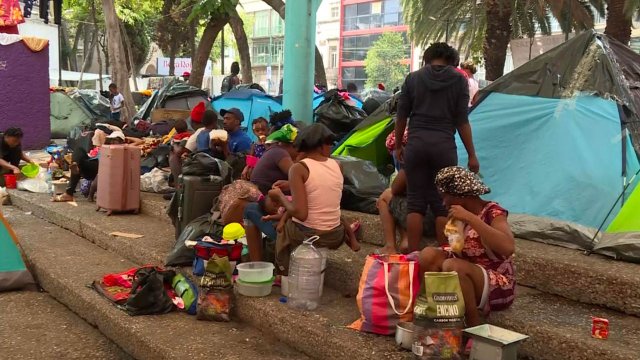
[269,314]
[65,264]
[35,326]
[551,321]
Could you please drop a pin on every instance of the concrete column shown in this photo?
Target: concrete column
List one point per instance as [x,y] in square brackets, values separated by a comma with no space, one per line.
[299,57]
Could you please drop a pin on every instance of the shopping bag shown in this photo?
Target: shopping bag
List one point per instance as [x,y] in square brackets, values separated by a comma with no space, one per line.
[388,288]
[439,318]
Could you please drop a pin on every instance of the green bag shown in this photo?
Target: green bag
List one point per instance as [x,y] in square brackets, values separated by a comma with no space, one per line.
[439,318]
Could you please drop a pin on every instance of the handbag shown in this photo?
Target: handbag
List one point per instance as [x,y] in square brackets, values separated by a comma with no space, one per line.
[387,292]
[148,295]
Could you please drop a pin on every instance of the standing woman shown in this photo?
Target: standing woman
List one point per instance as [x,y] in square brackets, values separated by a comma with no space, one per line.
[436,98]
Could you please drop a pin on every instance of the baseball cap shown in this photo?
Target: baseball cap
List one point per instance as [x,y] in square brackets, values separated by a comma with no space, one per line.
[234,111]
[116,135]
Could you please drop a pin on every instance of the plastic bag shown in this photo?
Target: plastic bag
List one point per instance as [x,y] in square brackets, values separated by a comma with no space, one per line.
[155,181]
[338,115]
[36,185]
[363,184]
[215,296]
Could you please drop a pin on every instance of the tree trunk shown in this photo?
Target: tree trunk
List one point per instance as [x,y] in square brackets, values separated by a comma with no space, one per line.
[618,24]
[173,49]
[129,52]
[237,26]
[119,75]
[73,54]
[497,37]
[97,35]
[320,73]
[199,63]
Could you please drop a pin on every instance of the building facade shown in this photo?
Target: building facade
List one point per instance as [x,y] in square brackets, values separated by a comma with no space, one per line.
[361,24]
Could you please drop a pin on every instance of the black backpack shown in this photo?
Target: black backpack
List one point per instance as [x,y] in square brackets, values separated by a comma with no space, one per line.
[148,295]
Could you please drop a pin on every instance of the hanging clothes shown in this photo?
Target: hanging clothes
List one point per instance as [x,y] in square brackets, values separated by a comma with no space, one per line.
[10,13]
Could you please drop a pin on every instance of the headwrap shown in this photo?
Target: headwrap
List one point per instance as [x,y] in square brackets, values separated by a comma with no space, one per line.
[286,134]
[458,181]
[313,137]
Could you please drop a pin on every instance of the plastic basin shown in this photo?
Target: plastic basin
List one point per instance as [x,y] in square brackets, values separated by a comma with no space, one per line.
[255,289]
[255,271]
[30,170]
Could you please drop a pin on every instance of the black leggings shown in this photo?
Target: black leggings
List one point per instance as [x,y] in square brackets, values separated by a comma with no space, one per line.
[88,169]
[422,160]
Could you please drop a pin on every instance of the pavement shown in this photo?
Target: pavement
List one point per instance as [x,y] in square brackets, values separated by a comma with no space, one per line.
[570,288]
[33,325]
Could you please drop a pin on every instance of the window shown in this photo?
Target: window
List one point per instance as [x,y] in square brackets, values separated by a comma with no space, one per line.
[355,48]
[265,53]
[372,15]
[335,12]
[333,57]
[261,25]
[354,74]
[277,25]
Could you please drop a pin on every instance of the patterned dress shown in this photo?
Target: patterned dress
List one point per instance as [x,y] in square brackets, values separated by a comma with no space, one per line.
[501,271]
[10,14]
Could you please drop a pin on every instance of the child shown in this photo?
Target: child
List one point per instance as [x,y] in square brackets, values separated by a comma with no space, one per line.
[117,101]
[260,128]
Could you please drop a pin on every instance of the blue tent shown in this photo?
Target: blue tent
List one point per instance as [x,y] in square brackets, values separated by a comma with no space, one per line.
[558,151]
[252,103]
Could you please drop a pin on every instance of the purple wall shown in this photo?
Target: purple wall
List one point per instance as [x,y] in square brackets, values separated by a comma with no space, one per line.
[24,93]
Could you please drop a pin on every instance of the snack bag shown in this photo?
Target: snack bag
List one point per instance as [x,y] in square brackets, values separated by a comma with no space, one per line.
[439,318]
[215,296]
[600,328]
[454,230]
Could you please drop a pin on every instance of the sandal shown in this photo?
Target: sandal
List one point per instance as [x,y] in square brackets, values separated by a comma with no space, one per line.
[61,198]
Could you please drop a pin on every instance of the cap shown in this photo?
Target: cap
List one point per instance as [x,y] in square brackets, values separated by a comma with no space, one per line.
[234,111]
[116,135]
[186,73]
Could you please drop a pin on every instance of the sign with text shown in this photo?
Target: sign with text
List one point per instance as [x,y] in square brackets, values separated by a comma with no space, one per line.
[182,65]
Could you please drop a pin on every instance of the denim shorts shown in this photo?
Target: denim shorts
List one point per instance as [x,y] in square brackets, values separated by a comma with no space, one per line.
[253,214]
[115,116]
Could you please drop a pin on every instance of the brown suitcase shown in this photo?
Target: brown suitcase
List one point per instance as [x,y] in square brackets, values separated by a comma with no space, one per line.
[119,179]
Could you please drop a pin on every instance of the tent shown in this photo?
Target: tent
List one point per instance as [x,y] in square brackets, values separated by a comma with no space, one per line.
[13,272]
[175,95]
[367,140]
[555,139]
[66,114]
[253,104]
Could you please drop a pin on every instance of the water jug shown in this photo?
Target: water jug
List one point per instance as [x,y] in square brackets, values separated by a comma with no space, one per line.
[305,276]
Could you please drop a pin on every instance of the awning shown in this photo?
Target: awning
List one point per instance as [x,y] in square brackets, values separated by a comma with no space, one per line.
[74,76]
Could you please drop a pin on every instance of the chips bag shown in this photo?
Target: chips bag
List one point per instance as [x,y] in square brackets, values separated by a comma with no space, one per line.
[215,296]
[439,318]
[454,230]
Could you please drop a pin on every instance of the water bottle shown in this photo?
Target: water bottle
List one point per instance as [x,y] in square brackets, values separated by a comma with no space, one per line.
[49,180]
[305,276]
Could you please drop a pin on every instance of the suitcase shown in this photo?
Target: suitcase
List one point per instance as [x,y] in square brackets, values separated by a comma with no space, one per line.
[119,179]
[196,195]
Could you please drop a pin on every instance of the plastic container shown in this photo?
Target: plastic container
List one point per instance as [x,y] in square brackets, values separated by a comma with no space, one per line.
[255,271]
[10,181]
[30,170]
[404,335]
[255,289]
[305,276]
[59,187]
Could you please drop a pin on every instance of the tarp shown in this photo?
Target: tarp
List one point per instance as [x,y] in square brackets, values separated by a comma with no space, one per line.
[13,272]
[75,76]
[92,101]
[252,103]
[175,95]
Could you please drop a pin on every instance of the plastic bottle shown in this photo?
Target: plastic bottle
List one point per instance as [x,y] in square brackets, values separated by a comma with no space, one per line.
[49,179]
[305,276]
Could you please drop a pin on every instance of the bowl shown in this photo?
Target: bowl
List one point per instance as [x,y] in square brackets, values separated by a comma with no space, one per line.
[255,289]
[404,335]
[30,170]
[255,271]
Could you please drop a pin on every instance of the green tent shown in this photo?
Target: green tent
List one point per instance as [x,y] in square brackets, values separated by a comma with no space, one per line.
[13,272]
[66,114]
[367,140]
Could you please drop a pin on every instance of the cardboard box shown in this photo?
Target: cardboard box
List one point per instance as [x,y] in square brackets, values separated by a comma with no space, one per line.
[158,115]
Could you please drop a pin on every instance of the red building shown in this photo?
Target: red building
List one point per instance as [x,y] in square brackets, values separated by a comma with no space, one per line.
[361,23]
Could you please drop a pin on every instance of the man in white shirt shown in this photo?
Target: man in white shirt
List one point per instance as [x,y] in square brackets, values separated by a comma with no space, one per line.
[117,101]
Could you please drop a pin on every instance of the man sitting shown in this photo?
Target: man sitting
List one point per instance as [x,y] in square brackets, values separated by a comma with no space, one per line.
[11,152]
[239,141]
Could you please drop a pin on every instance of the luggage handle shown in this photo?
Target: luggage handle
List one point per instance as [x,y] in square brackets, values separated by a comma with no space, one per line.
[386,288]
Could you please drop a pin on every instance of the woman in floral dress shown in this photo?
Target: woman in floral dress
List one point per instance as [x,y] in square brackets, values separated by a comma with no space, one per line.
[485,264]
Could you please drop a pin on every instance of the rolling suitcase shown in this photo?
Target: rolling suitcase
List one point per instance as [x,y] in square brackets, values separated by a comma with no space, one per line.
[119,179]
[195,197]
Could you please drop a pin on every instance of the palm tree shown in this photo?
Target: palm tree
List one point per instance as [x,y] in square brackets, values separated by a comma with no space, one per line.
[489,25]
[619,16]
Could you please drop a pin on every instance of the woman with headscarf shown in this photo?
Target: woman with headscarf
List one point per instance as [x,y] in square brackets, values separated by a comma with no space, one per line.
[485,262]
[436,98]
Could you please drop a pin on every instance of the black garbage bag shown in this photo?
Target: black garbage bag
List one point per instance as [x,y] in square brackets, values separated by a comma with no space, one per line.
[198,227]
[157,158]
[363,184]
[374,98]
[337,115]
[203,164]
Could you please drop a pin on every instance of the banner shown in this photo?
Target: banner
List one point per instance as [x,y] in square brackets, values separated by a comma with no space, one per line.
[182,65]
